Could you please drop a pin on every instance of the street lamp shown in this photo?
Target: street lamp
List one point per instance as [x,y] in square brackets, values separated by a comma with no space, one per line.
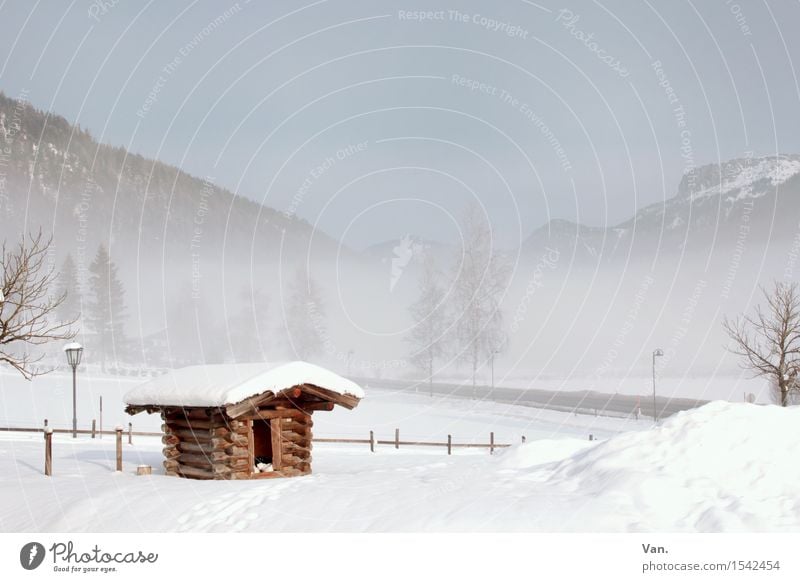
[657,352]
[74,352]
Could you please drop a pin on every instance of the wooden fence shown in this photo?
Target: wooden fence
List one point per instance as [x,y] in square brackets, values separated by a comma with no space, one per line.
[371,441]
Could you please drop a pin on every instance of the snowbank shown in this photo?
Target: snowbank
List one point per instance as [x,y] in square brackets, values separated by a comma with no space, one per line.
[218,385]
[722,467]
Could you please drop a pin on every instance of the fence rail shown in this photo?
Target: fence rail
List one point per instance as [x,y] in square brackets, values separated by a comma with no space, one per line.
[372,441]
[397,443]
[118,432]
[79,431]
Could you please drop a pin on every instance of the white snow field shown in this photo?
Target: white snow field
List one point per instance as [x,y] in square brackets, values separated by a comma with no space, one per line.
[723,467]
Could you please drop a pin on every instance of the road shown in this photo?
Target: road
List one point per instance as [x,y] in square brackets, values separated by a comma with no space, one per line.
[583,401]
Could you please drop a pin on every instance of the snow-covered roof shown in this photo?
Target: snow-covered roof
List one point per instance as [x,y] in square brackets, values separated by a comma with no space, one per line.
[225,384]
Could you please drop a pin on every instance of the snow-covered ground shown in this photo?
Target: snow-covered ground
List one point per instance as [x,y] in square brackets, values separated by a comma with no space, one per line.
[730,387]
[723,467]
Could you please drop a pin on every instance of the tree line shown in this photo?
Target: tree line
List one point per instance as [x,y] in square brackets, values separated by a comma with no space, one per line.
[40,305]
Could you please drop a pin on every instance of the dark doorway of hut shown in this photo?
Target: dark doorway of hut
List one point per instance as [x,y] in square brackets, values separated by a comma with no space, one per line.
[262,446]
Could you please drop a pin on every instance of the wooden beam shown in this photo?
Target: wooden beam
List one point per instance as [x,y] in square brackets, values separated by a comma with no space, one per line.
[248,405]
[270,414]
[311,406]
[277,446]
[251,448]
[345,400]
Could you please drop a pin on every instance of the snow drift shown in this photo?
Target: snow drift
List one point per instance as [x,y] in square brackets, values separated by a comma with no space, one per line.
[723,467]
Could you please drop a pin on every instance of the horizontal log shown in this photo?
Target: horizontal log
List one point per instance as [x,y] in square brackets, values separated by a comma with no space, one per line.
[213,458]
[302,466]
[270,414]
[237,463]
[290,460]
[292,447]
[213,414]
[292,436]
[195,432]
[206,447]
[238,440]
[170,465]
[295,427]
[170,452]
[197,473]
[208,458]
[302,453]
[178,423]
[224,431]
[345,400]
[311,406]
[208,437]
[302,419]
[183,423]
[195,461]
[170,439]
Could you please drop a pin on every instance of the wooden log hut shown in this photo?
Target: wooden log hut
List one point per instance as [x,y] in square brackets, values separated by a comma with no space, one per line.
[241,421]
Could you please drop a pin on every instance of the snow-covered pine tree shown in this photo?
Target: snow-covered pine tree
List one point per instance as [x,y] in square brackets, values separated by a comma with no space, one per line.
[429,313]
[105,309]
[481,277]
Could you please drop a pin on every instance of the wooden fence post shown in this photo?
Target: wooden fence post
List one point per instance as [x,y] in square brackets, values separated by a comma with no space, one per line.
[101,417]
[591,437]
[48,452]
[491,443]
[523,439]
[118,430]
[94,428]
[397,438]
[372,441]
[449,444]
[130,433]
[45,423]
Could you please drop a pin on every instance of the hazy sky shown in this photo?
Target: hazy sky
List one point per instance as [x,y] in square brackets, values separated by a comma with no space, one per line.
[578,110]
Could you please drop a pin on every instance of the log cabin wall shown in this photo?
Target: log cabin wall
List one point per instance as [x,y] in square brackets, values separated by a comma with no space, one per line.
[205,444]
[295,443]
[290,434]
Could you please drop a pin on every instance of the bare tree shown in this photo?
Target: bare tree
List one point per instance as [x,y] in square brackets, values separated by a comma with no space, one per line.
[27,309]
[430,320]
[481,277]
[769,341]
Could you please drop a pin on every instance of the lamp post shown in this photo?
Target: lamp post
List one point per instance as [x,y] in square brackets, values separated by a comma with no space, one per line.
[657,352]
[74,352]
